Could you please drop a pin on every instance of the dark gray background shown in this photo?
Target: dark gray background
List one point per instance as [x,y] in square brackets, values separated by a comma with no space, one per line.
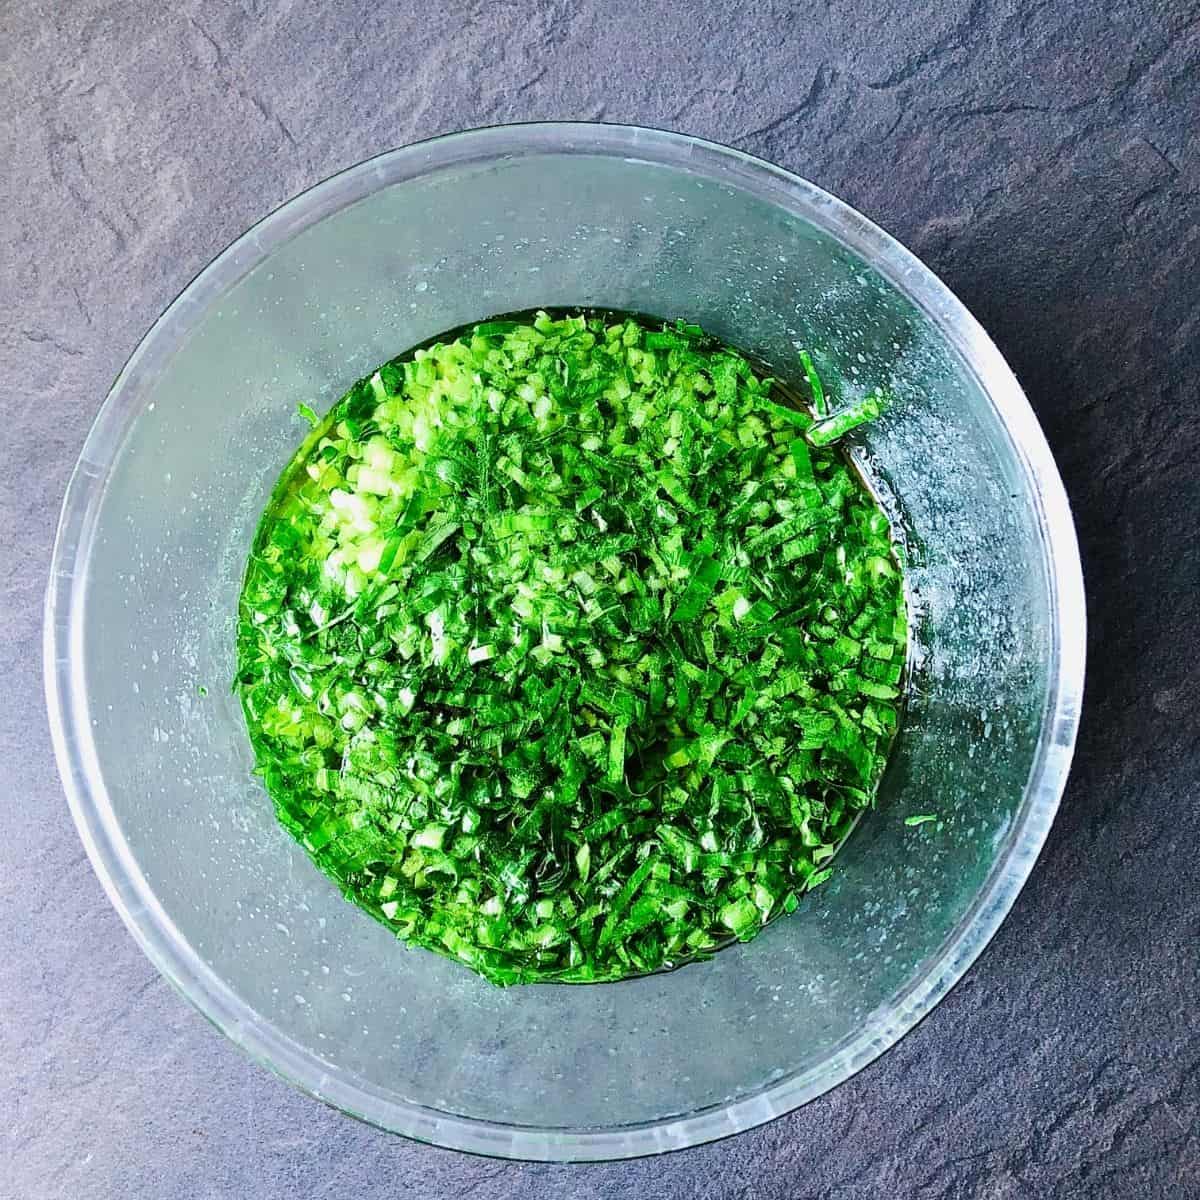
[1041,156]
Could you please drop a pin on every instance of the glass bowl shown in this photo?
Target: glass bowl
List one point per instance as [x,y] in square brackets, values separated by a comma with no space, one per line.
[158,520]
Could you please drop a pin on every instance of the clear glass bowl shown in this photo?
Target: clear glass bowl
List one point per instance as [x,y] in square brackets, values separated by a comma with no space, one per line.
[159,516]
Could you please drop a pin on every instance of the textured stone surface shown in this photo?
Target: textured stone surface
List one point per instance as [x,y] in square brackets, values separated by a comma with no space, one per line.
[1041,156]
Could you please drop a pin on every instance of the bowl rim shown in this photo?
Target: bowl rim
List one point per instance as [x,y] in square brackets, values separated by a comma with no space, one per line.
[78,762]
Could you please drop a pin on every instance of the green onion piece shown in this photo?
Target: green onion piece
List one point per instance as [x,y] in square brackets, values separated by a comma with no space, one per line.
[833,427]
[815,387]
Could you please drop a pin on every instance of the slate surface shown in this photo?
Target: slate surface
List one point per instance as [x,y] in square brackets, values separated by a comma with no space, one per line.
[1041,156]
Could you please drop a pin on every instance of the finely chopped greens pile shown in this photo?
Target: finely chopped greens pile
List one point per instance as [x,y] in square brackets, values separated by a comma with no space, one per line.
[569,650]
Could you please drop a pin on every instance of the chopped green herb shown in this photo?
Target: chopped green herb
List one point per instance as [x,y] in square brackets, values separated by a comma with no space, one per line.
[828,430]
[815,387]
[569,648]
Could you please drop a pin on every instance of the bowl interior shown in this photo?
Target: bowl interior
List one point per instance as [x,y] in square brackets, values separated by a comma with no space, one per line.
[177,473]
